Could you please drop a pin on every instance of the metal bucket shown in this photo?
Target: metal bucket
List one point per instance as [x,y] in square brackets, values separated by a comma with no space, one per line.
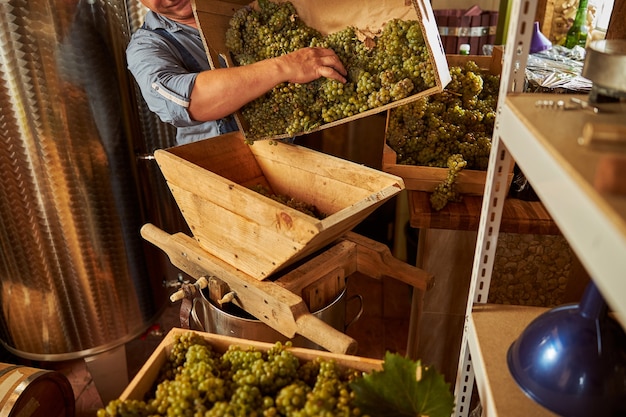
[234,321]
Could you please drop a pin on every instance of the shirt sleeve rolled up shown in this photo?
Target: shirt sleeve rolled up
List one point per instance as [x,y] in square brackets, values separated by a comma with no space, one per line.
[165,85]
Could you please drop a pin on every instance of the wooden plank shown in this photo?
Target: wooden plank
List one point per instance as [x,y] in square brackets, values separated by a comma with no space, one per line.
[518,216]
[226,156]
[343,254]
[323,291]
[493,328]
[336,170]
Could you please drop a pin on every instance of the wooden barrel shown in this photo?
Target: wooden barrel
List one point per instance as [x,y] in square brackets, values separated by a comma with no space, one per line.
[32,392]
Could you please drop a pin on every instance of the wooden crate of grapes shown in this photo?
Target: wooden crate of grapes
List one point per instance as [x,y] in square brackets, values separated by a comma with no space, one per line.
[404,122]
[193,373]
[371,37]
[213,182]
[144,382]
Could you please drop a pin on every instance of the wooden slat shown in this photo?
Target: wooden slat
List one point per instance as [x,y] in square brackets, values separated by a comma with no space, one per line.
[518,216]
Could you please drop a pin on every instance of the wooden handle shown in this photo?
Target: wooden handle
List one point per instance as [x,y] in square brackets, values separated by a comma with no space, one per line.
[272,304]
[167,244]
[155,235]
[375,260]
[326,336]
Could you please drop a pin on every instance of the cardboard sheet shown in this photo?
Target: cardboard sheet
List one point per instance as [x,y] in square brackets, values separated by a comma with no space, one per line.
[330,16]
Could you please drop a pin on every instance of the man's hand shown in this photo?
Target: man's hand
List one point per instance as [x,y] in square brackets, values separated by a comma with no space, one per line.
[308,64]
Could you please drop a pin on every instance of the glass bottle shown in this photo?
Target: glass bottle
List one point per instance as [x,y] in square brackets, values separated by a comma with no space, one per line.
[577,34]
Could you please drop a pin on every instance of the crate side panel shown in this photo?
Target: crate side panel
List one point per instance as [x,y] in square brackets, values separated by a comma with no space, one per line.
[213,17]
[331,184]
[324,165]
[257,249]
[325,193]
[227,156]
[422,178]
[430,30]
[142,384]
[259,216]
[228,196]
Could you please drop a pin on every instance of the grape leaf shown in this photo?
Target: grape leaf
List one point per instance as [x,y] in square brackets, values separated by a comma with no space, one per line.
[403,388]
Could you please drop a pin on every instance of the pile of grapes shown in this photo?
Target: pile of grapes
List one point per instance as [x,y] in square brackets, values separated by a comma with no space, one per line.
[451,129]
[289,201]
[390,67]
[197,381]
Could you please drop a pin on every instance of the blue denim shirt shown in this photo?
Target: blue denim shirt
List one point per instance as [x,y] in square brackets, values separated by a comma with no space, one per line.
[165,83]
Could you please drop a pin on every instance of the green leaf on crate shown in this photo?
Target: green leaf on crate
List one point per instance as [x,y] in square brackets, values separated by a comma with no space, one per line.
[403,388]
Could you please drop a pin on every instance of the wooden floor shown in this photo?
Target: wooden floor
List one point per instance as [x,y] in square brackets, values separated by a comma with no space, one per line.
[382,327]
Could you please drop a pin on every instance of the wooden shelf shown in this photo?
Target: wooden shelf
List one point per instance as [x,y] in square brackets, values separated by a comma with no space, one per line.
[543,140]
[491,331]
[544,144]
[518,216]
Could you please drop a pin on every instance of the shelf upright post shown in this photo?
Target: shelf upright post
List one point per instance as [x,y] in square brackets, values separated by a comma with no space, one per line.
[521,20]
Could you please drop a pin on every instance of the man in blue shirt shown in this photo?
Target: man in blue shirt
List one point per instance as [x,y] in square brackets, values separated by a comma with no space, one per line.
[167,58]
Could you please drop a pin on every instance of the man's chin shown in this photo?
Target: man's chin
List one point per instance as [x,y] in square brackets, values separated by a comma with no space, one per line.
[182,14]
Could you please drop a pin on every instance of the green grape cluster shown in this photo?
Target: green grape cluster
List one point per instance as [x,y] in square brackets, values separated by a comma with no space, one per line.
[242,382]
[446,191]
[442,129]
[393,66]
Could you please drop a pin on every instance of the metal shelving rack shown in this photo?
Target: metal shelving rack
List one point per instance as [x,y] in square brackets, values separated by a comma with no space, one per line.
[543,142]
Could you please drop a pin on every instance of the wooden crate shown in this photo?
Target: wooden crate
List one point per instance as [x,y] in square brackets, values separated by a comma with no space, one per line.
[143,382]
[209,180]
[329,16]
[422,178]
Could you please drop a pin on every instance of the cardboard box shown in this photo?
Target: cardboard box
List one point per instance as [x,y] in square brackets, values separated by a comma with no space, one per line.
[209,180]
[143,382]
[329,16]
[422,178]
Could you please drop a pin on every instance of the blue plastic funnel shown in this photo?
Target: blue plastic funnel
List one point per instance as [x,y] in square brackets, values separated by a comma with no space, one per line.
[572,359]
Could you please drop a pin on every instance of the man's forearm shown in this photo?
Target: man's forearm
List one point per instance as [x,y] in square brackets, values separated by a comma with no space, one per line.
[220,92]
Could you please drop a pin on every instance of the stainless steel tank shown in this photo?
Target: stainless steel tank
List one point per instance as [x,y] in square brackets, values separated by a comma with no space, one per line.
[77,181]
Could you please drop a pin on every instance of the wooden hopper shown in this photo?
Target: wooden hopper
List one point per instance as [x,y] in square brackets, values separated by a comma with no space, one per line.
[209,180]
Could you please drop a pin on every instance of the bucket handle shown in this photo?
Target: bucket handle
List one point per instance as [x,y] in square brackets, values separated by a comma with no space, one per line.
[194,314]
[358,314]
